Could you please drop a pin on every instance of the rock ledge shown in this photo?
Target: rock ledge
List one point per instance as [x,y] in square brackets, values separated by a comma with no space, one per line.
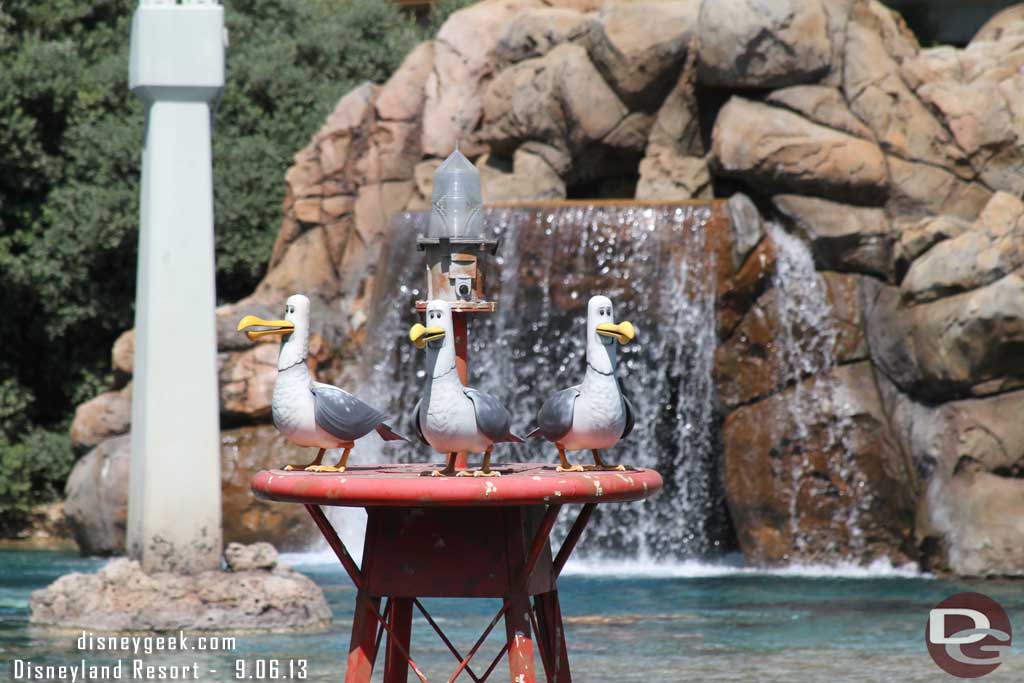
[121,597]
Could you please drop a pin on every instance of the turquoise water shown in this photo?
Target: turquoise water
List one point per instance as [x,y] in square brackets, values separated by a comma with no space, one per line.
[631,622]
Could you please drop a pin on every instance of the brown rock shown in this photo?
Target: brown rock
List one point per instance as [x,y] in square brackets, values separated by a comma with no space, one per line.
[401,98]
[738,293]
[918,190]
[968,454]
[677,123]
[242,558]
[97,493]
[534,32]
[247,381]
[640,44]
[991,249]
[814,474]
[777,149]
[305,267]
[96,505]
[1005,23]
[559,99]
[753,44]
[757,359]
[665,174]
[917,237]
[101,418]
[823,105]
[844,238]
[463,59]
[747,227]
[878,96]
[122,358]
[530,178]
[391,154]
[960,345]
[121,597]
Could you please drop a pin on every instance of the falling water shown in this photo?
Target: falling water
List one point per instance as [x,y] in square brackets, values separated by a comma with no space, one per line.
[807,342]
[652,262]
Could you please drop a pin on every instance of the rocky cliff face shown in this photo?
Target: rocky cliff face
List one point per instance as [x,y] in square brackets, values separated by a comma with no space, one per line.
[868,375]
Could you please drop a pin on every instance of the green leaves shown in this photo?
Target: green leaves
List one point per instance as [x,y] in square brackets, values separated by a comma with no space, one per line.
[71,135]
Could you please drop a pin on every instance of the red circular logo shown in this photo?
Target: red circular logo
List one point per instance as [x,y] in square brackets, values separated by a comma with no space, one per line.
[968,635]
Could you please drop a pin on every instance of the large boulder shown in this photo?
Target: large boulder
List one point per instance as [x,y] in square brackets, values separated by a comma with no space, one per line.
[97,493]
[814,474]
[970,460]
[750,44]
[121,597]
[961,345]
[844,238]
[101,418]
[990,250]
[639,46]
[778,150]
[463,61]
[534,32]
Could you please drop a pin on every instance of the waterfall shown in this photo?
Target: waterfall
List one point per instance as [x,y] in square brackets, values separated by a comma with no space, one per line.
[652,262]
[807,342]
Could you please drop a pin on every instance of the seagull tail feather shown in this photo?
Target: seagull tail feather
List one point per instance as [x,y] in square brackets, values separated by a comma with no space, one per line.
[512,438]
[388,434]
[535,433]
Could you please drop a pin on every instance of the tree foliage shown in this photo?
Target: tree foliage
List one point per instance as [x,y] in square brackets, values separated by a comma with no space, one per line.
[70,135]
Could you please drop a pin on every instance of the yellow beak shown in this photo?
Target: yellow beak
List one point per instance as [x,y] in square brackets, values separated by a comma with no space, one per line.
[623,332]
[273,327]
[420,335]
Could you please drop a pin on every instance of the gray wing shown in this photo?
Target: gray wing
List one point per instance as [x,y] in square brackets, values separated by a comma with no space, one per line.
[492,418]
[415,417]
[554,419]
[343,415]
[630,419]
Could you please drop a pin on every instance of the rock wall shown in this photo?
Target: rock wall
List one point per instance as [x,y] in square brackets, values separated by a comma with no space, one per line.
[899,168]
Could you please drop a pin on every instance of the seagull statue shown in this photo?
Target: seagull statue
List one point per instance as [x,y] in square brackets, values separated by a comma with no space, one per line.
[452,418]
[310,413]
[593,415]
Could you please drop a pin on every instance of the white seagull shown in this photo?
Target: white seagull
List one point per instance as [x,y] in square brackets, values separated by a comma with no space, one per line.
[595,414]
[452,418]
[311,413]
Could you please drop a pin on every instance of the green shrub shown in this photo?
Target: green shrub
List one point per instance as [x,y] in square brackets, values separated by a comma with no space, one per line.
[70,135]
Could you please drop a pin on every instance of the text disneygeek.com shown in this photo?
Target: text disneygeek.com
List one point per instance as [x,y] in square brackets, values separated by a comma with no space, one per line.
[134,666]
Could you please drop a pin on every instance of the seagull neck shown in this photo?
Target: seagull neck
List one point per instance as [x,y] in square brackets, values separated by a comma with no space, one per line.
[296,372]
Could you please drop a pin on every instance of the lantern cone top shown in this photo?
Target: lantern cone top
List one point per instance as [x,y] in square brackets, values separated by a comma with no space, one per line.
[456,204]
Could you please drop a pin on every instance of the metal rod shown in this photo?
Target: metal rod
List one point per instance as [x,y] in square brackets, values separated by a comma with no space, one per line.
[476,646]
[380,632]
[541,645]
[573,537]
[443,637]
[490,669]
[331,536]
[540,540]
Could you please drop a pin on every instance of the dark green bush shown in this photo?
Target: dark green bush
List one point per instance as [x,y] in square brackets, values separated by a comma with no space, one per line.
[70,134]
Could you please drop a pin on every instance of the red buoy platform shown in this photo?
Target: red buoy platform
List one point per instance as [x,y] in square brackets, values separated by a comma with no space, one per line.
[458,537]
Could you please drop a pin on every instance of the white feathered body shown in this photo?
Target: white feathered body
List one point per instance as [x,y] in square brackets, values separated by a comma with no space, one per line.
[293,409]
[450,422]
[598,417]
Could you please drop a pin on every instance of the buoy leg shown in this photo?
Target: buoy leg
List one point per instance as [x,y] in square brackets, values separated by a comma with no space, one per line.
[600,464]
[311,467]
[486,471]
[449,469]
[566,466]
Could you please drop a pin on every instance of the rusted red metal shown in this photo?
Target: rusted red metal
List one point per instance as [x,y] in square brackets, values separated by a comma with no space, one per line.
[405,486]
[457,537]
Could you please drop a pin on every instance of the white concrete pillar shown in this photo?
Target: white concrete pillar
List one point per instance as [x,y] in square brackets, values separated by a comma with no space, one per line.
[174,503]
